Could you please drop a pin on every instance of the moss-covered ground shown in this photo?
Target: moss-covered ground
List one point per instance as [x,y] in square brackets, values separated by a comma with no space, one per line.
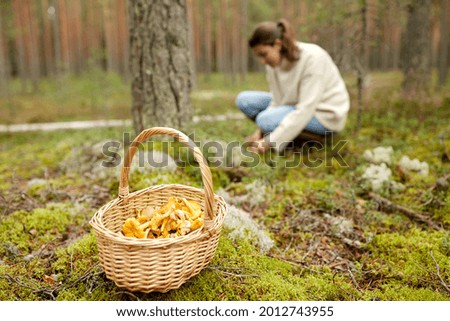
[332,239]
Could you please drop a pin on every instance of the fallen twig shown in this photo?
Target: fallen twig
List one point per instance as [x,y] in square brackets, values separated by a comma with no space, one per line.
[85,276]
[354,280]
[390,207]
[52,292]
[439,274]
[441,182]
[13,279]
[128,293]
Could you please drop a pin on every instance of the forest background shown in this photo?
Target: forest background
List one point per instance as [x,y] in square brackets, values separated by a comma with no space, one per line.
[53,37]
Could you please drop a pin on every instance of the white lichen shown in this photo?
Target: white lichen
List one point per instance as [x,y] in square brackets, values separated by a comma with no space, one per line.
[396,186]
[37,182]
[256,192]
[254,196]
[414,165]
[379,155]
[340,226]
[225,195]
[242,226]
[377,176]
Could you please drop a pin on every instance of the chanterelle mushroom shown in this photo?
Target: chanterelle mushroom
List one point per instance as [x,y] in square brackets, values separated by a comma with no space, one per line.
[177,217]
[133,228]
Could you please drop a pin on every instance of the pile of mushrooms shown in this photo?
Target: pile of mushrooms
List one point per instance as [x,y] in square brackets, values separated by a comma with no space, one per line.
[177,217]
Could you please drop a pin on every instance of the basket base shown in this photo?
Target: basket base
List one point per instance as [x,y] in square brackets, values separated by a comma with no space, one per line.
[165,269]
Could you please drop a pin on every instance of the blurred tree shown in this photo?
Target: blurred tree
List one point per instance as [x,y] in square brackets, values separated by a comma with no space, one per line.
[159,64]
[64,41]
[443,51]
[192,58]
[208,15]
[4,68]
[53,12]
[47,39]
[416,44]
[111,36]
[361,62]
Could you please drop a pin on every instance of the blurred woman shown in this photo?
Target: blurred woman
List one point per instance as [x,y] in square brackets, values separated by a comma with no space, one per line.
[307,91]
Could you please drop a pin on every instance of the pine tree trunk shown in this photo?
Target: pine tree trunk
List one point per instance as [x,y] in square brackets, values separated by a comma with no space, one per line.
[76,29]
[33,44]
[56,37]
[93,33]
[191,40]
[219,43]
[160,66]
[64,37]
[208,37]
[362,65]
[4,74]
[47,39]
[416,57]
[20,58]
[122,30]
[443,50]
[243,41]
[234,41]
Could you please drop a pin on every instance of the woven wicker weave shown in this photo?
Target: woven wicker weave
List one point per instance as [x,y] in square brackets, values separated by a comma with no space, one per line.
[148,265]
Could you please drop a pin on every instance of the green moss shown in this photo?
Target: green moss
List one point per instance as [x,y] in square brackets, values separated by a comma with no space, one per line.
[397,291]
[79,256]
[27,231]
[411,256]
[78,266]
[328,287]
[37,188]
[441,208]
[25,280]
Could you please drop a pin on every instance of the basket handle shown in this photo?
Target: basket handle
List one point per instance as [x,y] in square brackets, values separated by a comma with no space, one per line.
[182,138]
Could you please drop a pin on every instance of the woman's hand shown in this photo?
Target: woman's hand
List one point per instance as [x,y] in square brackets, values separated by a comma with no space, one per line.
[257,135]
[260,146]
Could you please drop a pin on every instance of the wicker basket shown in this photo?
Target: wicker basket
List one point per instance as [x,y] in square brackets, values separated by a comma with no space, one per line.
[148,265]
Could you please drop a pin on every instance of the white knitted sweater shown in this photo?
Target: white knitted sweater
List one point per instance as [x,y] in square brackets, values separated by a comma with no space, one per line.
[314,85]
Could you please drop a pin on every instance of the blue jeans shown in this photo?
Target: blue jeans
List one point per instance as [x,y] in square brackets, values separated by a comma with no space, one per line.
[254,104]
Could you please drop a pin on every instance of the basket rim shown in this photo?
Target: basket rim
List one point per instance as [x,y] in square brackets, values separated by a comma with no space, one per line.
[210,226]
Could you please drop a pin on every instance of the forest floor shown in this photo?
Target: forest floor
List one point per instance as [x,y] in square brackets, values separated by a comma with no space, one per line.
[346,220]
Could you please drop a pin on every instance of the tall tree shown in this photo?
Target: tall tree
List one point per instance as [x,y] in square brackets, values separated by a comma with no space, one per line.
[416,52]
[208,37]
[443,50]
[361,62]
[47,38]
[20,57]
[234,40]
[191,41]
[4,70]
[54,16]
[31,41]
[160,67]
[122,31]
[111,35]
[93,33]
[64,36]
[76,27]
[243,40]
